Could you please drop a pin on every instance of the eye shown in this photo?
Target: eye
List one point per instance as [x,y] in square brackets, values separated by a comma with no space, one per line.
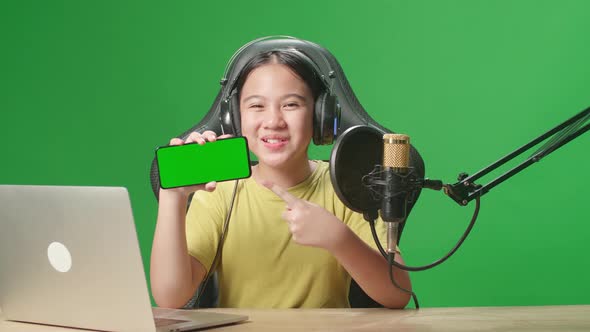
[291,105]
[256,107]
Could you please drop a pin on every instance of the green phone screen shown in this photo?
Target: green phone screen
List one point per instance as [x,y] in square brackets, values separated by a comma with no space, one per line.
[190,164]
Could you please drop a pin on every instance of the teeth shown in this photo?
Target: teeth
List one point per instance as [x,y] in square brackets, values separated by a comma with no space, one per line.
[273,140]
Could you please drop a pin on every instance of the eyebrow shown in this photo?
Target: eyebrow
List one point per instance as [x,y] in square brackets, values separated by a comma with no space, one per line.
[296,95]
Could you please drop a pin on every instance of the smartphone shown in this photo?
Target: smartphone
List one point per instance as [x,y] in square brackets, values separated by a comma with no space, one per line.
[192,163]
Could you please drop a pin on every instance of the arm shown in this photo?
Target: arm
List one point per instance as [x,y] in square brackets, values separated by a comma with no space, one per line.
[369,269]
[175,275]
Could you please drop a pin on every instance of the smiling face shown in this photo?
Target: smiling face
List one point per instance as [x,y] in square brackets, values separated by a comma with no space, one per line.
[276,108]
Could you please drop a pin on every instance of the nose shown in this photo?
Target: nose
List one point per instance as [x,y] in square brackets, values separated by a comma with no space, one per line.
[275,118]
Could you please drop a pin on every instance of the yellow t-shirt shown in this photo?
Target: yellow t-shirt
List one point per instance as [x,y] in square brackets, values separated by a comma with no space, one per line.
[260,266]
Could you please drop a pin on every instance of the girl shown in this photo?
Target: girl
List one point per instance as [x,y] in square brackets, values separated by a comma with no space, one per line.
[291,242]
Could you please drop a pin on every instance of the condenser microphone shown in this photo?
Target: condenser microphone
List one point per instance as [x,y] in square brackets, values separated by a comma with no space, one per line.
[396,161]
[396,166]
[360,160]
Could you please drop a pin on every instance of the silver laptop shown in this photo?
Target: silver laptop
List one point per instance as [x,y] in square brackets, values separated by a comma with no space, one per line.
[69,256]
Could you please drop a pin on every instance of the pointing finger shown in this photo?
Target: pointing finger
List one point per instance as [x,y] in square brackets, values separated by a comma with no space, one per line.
[282,193]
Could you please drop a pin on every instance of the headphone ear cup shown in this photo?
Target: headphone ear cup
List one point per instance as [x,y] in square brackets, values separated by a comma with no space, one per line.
[235,112]
[326,119]
[225,116]
[229,115]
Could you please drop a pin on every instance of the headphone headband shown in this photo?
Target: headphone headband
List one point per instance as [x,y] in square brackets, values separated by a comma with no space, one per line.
[229,89]
[304,49]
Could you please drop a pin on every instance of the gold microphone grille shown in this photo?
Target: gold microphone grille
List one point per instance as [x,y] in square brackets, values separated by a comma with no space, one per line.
[396,151]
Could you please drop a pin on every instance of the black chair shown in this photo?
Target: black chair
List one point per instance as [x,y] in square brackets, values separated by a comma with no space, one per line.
[352,114]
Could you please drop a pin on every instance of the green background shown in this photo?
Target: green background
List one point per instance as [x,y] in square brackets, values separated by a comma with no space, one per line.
[90,88]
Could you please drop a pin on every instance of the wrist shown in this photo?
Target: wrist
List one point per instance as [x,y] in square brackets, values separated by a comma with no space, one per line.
[172,195]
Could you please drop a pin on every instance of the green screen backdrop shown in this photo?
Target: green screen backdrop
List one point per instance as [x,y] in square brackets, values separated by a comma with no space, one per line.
[90,88]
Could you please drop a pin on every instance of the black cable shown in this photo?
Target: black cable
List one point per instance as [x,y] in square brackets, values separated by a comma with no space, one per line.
[376,239]
[444,258]
[390,260]
[218,251]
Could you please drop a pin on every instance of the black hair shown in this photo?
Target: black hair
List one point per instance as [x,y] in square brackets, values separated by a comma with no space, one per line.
[290,58]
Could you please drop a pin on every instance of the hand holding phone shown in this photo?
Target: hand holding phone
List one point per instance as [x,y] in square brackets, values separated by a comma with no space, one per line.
[198,162]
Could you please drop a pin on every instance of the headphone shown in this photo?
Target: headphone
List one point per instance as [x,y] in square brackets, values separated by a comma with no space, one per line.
[326,114]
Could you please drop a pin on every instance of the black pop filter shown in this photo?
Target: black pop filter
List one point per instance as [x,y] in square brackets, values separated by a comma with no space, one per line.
[355,154]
